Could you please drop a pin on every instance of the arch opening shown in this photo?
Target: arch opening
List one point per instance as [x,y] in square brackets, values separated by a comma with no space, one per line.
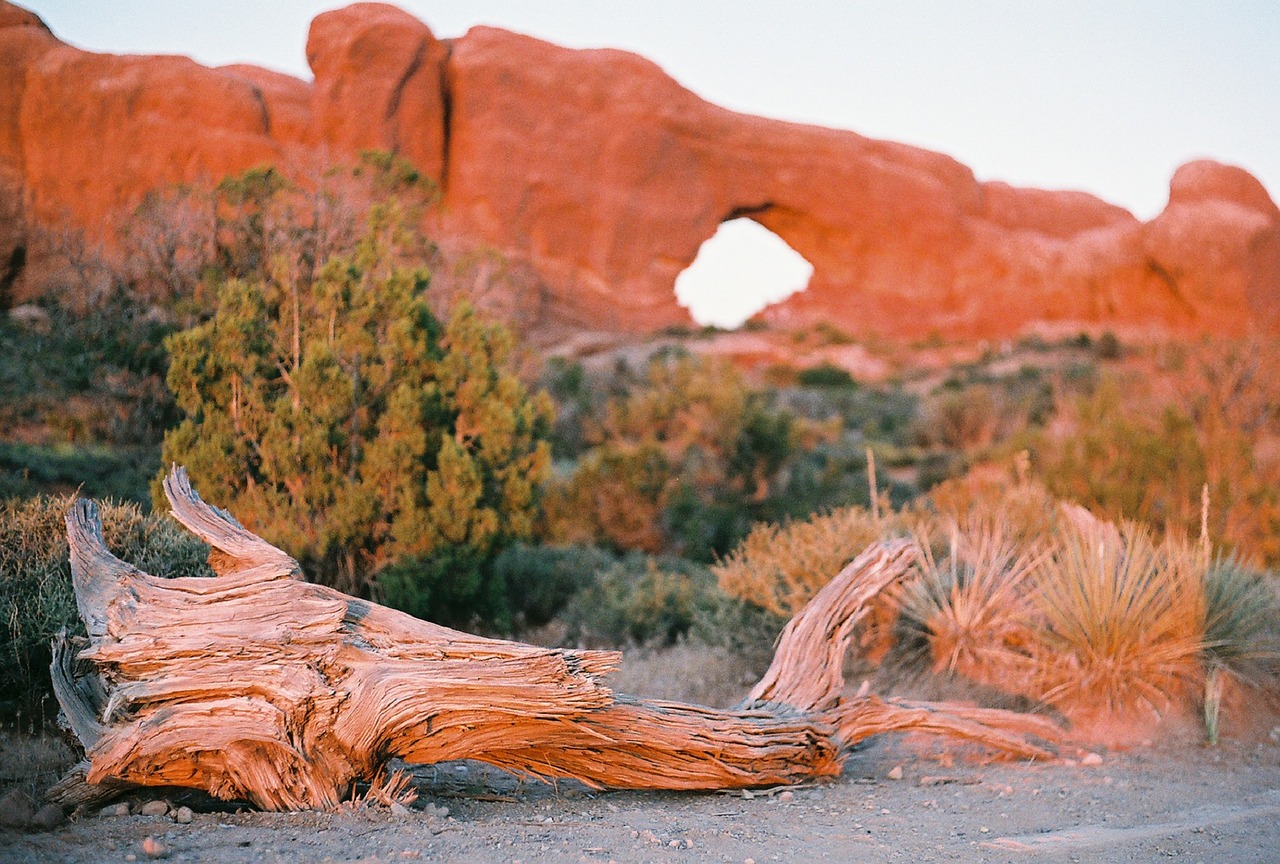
[740,270]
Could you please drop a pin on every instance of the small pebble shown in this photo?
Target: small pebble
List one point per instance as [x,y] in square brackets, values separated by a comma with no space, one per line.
[183,815]
[895,773]
[131,857]
[112,810]
[787,796]
[398,809]
[153,848]
[1091,759]
[155,808]
[674,844]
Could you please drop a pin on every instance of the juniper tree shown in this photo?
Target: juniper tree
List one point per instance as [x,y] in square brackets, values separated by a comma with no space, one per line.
[345,422]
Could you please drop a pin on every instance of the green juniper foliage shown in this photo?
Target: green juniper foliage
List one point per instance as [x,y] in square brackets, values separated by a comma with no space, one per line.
[336,416]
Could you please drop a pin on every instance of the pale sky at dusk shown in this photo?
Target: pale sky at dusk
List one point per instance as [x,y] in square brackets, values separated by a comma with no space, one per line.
[1107,97]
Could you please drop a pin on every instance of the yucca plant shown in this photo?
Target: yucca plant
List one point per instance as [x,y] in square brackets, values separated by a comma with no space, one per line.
[1123,618]
[1241,632]
[970,614]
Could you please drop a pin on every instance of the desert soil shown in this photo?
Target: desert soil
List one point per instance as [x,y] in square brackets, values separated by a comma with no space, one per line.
[1188,803]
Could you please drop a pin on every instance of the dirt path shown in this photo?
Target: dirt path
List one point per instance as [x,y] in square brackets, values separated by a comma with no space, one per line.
[1190,804]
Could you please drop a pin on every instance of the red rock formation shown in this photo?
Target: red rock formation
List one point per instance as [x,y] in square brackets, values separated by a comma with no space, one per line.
[23,38]
[601,176]
[379,84]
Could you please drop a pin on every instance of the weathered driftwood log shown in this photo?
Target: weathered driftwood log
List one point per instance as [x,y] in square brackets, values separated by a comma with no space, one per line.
[257,685]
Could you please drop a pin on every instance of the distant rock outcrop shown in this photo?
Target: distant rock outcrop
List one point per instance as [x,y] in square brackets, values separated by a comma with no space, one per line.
[599,177]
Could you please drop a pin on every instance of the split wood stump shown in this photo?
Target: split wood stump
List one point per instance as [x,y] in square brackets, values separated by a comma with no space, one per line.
[257,685]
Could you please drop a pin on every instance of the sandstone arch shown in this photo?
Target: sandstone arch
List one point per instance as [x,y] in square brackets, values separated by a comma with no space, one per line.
[600,176]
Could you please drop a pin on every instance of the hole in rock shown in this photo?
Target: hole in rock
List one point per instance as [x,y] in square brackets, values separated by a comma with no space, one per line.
[743,268]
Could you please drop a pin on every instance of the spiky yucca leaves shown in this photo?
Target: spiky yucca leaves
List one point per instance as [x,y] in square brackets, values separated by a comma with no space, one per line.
[971,614]
[1123,618]
[1242,620]
[1241,632]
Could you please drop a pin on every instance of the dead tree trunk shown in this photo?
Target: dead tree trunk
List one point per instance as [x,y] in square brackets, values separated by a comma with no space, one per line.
[258,685]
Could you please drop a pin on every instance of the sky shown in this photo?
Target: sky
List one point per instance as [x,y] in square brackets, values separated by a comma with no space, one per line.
[1105,97]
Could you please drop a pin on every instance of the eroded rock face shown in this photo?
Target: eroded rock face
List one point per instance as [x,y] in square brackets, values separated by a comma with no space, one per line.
[598,177]
[379,84]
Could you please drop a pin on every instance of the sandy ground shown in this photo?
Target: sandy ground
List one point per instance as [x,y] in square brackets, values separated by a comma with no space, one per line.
[1190,804]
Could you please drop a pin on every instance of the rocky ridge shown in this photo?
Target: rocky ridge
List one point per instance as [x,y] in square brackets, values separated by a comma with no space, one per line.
[598,176]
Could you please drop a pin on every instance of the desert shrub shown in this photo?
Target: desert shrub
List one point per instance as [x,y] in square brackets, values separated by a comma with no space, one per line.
[779,567]
[36,597]
[881,414]
[1230,391]
[1124,465]
[682,458]
[97,471]
[964,420]
[1021,506]
[830,475]
[541,580]
[640,600]
[616,497]
[826,333]
[1123,618]
[452,585]
[328,407]
[733,624]
[1108,347]
[1131,448]
[826,375]
[566,382]
[93,374]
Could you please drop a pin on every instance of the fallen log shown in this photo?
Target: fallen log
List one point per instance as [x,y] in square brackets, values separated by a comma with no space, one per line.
[256,685]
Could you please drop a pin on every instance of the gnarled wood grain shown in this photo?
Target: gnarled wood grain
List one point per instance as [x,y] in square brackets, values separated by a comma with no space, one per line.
[257,685]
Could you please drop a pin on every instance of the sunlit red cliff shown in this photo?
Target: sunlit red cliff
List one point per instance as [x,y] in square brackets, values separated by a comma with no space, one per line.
[599,177]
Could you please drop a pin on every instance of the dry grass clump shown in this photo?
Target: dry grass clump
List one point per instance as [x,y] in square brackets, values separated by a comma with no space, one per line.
[1123,618]
[1022,507]
[36,597]
[971,614]
[780,567]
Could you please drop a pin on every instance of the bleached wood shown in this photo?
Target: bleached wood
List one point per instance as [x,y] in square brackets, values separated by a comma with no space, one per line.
[257,685]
